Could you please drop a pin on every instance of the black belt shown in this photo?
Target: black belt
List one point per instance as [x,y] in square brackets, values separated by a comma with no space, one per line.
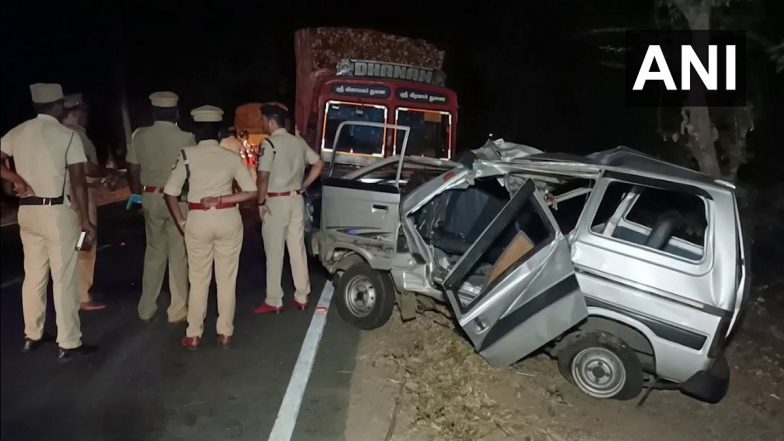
[33,200]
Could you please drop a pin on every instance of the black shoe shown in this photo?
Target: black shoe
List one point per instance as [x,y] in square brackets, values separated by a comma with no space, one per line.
[65,355]
[32,345]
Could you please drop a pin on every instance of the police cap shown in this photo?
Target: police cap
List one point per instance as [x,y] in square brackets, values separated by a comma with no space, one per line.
[164,99]
[207,114]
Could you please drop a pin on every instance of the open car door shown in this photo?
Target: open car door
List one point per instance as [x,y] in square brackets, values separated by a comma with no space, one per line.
[364,204]
[514,290]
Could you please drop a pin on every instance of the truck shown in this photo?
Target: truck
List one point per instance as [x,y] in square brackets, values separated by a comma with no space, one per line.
[346,74]
[362,75]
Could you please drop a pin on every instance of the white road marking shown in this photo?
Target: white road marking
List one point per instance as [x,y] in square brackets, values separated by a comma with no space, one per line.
[11,282]
[283,428]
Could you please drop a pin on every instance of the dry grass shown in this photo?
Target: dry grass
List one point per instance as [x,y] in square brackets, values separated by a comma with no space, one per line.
[443,390]
[447,384]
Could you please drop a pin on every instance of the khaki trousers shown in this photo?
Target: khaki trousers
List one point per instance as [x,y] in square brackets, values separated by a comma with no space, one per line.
[49,235]
[285,224]
[87,258]
[164,245]
[213,236]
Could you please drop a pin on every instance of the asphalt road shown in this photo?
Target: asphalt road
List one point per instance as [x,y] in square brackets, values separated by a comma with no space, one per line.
[141,385]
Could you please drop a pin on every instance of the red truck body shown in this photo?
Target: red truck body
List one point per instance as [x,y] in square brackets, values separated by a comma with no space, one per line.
[363,75]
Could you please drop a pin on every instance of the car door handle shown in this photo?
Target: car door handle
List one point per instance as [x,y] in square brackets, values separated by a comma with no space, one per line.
[380,207]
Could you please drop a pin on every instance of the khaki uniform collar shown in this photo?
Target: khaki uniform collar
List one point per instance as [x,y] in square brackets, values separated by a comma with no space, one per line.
[46,117]
[279,131]
[209,143]
[164,123]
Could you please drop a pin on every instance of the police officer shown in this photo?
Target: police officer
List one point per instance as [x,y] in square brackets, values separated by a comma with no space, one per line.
[153,152]
[282,208]
[213,232]
[47,156]
[76,120]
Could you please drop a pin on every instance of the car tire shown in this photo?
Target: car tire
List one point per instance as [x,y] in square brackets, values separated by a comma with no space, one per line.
[365,297]
[602,366]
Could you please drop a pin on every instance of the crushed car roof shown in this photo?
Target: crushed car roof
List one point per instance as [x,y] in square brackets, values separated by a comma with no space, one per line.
[621,159]
[633,160]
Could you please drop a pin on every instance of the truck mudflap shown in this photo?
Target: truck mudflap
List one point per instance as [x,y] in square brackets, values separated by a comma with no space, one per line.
[710,385]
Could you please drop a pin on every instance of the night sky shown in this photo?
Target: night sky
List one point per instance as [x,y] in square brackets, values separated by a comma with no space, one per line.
[521,72]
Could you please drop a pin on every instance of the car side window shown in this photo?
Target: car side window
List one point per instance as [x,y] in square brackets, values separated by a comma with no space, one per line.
[673,222]
[412,175]
[381,175]
[567,201]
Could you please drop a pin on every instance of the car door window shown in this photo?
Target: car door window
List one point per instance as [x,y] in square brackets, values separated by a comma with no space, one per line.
[567,201]
[413,174]
[453,220]
[518,230]
[669,221]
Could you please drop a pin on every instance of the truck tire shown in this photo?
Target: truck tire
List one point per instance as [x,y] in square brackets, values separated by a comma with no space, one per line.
[365,297]
[602,366]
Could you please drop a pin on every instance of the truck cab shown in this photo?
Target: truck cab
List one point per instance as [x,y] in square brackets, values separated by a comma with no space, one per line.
[384,80]
[429,111]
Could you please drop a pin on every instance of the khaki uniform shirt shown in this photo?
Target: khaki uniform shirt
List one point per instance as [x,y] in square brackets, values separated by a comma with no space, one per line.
[286,161]
[155,149]
[89,148]
[42,149]
[212,170]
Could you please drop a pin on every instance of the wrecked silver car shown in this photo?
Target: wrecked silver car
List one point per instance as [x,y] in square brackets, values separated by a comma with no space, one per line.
[624,268]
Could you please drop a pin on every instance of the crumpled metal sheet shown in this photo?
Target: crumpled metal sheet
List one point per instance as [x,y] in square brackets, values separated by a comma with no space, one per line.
[500,150]
[488,156]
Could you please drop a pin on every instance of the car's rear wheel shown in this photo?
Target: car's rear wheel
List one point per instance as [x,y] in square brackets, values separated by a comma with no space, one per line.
[602,366]
[365,297]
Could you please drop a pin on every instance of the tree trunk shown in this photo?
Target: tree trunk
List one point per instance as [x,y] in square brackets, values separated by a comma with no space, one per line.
[741,123]
[736,159]
[701,142]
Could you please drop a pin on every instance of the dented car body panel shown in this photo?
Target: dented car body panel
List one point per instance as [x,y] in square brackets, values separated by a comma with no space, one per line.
[652,247]
[363,206]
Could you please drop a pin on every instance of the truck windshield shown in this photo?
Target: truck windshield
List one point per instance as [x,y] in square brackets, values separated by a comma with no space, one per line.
[430,132]
[354,139]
